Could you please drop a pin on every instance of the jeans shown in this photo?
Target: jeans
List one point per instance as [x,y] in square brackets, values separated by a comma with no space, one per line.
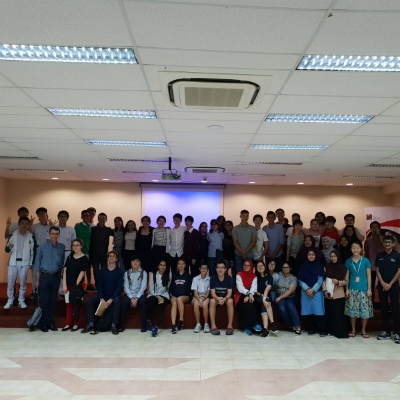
[288,311]
[48,290]
[126,305]
[384,296]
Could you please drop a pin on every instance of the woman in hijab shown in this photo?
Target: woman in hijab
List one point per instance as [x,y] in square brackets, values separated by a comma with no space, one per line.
[311,277]
[327,247]
[246,287]
[309,244]
[334,291]
[344,248]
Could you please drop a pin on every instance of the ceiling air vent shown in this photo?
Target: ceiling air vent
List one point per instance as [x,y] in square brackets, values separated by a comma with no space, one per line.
[212,91]
[204,170]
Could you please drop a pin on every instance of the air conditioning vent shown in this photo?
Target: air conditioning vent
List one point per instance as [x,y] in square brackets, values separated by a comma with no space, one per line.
[204,170]
[212,91]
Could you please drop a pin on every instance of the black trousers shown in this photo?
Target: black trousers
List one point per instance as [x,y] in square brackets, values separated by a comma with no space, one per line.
[247,313]
[152,307]
[125,306]
[93,303]
[98,261]
[48,291]
[384,296]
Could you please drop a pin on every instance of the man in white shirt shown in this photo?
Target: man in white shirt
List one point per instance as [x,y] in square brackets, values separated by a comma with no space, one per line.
[12,227]
[176,241]
[261,247]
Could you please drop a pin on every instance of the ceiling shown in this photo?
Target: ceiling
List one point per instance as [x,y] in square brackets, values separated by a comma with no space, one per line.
[266,38]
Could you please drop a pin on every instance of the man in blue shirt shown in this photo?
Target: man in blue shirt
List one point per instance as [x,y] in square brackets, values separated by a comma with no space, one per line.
[48,265]
[276,239]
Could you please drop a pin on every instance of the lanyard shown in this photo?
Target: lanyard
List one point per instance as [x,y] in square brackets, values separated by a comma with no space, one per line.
[355,264]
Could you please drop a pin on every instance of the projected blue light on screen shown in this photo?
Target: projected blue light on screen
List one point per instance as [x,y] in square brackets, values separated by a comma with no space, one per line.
[202,205]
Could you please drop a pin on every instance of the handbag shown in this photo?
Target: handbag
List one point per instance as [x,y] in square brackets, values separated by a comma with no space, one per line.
[36,317]
[76,294]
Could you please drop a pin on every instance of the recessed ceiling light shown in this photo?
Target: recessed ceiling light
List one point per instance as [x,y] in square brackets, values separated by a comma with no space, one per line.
[125,143]
[93,112]
[204,180]
[300,183]
[252,182]
[54,179]
[319,118]
[97,55]
[105,179]
[287,147]
[349,184]
[350,63]
[155,180]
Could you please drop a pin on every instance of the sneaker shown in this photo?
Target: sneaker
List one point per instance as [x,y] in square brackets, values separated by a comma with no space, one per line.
[8,305]
[229,331]
[22,304]
[154,332]
[180,325]
[257,328]
[215,331]
[206,328]
[174,329]
[384,335]
[396,338]
[197,328]
[248,332]
[264,333]
[297,332]
[34,294]
[274,328]
[149,326]
[311,332]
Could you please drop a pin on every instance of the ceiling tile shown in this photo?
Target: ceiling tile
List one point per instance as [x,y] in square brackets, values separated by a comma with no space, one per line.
[28,133]
[362,5]
[13,97]
[201,126]
[29,121]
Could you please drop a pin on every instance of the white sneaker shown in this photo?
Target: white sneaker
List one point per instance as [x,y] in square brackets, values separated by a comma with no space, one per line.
[197,328]
[206,328]
[8,305]
[22,304]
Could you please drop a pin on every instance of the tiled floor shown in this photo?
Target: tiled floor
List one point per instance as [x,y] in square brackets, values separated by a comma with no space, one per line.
[136,366]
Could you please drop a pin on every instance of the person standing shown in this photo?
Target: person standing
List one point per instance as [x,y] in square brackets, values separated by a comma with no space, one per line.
[261,247]
[48,265]
[21,246]
[388,273]
[276,240]
[13,226]
[191,246]
[176,242]
[244,239]
[83,231]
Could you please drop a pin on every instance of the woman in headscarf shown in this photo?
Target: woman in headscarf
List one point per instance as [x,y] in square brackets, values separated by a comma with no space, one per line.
[327,247]
[334,291]
[246,287]
[311,277]
[344,248]
[309,244]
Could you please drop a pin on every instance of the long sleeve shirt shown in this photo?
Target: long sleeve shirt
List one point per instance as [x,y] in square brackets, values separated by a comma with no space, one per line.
[50,258]
[135,283]
[241,289]
[110,284]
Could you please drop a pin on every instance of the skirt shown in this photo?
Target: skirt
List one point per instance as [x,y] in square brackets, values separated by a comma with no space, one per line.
[358,305]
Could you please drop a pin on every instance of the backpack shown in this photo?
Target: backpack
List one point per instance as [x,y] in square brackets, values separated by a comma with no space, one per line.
[103,323]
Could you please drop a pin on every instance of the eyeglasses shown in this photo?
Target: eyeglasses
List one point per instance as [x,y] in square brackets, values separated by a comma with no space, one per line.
[285,267]
[387,242]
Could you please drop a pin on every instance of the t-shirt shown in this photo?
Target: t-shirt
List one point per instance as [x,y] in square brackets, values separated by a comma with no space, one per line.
[180,284]
[201,285]
[282,285]
[358,270]
[244,234]
[333,235]
[388,265]
[259,247]
[294,243]
[221,287]
[74,266]
[263,282]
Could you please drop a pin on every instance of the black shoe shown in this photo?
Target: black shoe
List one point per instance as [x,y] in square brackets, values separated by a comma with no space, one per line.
[174,329]
[311,332]
[66,328]
[323,334]
[87,329]
[122,328]
[274,328]
[32,328]
[53,328]
[143,330]
[44,329]
[264,333]
[114,331]
[180,325]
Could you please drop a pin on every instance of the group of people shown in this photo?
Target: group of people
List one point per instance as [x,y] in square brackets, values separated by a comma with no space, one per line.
[245,267]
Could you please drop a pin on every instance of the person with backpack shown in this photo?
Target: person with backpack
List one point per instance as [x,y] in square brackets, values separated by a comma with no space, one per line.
[109,288]
[135,284]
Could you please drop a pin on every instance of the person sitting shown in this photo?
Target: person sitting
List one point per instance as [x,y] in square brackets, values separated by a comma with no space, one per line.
[180,294]
[135,284]
[221,286]
[201,297]
[109,288]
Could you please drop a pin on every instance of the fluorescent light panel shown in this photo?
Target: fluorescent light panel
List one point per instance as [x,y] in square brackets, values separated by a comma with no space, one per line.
[97,55]
[93,112]
[18,158]
[36,170]
[287,147]
[384,165]
[125,143]
[266,163]
[238,174]
[320,62]
[134,160]
[319,118]
[367,177]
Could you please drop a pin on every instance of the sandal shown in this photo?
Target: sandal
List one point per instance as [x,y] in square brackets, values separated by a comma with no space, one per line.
[352,334]
[365,335]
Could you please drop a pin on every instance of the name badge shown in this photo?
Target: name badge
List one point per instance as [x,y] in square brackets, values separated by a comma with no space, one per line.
[357,279]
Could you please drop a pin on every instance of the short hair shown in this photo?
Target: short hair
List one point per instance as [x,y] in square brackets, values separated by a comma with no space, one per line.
[356,241]
[54,228]
[244,212]
[40,210]
[271,213]
[189,218]
[102,215]
[279,209]
[23,219]
[330,218]
[374,222]
[63,212]
[389,237]
[296,215]
[229,222]
[177,215]
[22,209]
[213,222]
[90,209]
[161,217]
[221,262]
[84,211]
[349,216]
[297,222]
[258,216]
[112,252]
